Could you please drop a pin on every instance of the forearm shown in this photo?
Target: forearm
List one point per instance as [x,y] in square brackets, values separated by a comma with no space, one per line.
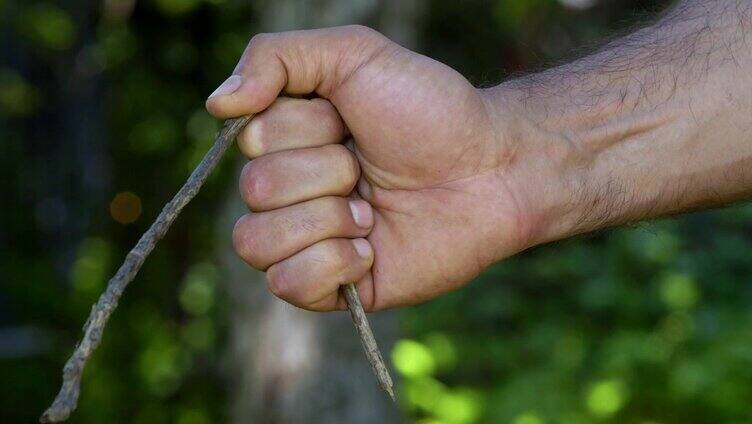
[656,123]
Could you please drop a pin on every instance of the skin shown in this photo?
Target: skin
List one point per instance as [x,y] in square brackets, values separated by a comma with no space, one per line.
[374,164]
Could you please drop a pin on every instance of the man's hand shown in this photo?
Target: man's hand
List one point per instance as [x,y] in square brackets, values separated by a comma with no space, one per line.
[394,177]
[402,177]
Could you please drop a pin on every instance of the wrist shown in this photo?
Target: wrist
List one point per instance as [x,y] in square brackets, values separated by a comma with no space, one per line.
[589,165]
[545,172]
[636,131]
[568,169]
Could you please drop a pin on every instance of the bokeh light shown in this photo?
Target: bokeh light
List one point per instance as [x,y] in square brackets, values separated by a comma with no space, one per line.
[679,291]
[198,291]
[47,25]
[17,96]
[606,397]
[125,207]
[89,272]
[413,359]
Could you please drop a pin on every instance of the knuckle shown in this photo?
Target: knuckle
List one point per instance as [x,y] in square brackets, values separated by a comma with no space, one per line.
[252,139]
[346,163]
[259,128]
[258,135]
[245,241]
[277,282]
[254,185]
[238,235]
[352,170]
[364,39]
[360,31]
[260,39]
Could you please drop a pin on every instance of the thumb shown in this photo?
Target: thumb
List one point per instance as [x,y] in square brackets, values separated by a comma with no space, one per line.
[297,62]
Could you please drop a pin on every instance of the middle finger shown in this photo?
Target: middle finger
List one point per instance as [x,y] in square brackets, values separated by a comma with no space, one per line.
[284,178]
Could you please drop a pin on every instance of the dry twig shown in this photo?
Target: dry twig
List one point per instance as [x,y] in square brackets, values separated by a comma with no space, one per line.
[367,340]
[67,399]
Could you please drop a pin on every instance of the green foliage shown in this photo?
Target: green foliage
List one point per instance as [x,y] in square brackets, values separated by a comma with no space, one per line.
[47,25]
[643,325]
[17,96]
[598,329]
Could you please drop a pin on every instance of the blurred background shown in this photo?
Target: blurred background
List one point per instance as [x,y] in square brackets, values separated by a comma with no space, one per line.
[101,120]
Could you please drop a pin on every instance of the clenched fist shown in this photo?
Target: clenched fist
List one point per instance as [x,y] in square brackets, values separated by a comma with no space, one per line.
[369,164]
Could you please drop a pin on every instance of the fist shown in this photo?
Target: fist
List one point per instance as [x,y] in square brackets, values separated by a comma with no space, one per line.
[390,173]
[308,226]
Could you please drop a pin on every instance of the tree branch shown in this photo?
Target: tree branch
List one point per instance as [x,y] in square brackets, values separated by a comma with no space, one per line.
[67,399]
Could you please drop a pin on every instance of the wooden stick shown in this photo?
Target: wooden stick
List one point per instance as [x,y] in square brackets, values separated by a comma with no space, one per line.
[67,399]
[367,340]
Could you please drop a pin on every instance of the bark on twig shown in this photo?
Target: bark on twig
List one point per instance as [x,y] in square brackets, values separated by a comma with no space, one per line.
[367,340]
[67,399]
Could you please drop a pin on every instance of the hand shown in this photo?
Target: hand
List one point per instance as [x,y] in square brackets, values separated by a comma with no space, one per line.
[449,179]
[417,201]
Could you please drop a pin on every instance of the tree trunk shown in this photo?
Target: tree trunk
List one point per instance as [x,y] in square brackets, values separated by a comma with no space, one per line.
[286,364]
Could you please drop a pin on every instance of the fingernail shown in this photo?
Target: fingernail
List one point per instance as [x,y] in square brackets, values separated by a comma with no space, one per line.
[361,213]
[362,247]
[230,85]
